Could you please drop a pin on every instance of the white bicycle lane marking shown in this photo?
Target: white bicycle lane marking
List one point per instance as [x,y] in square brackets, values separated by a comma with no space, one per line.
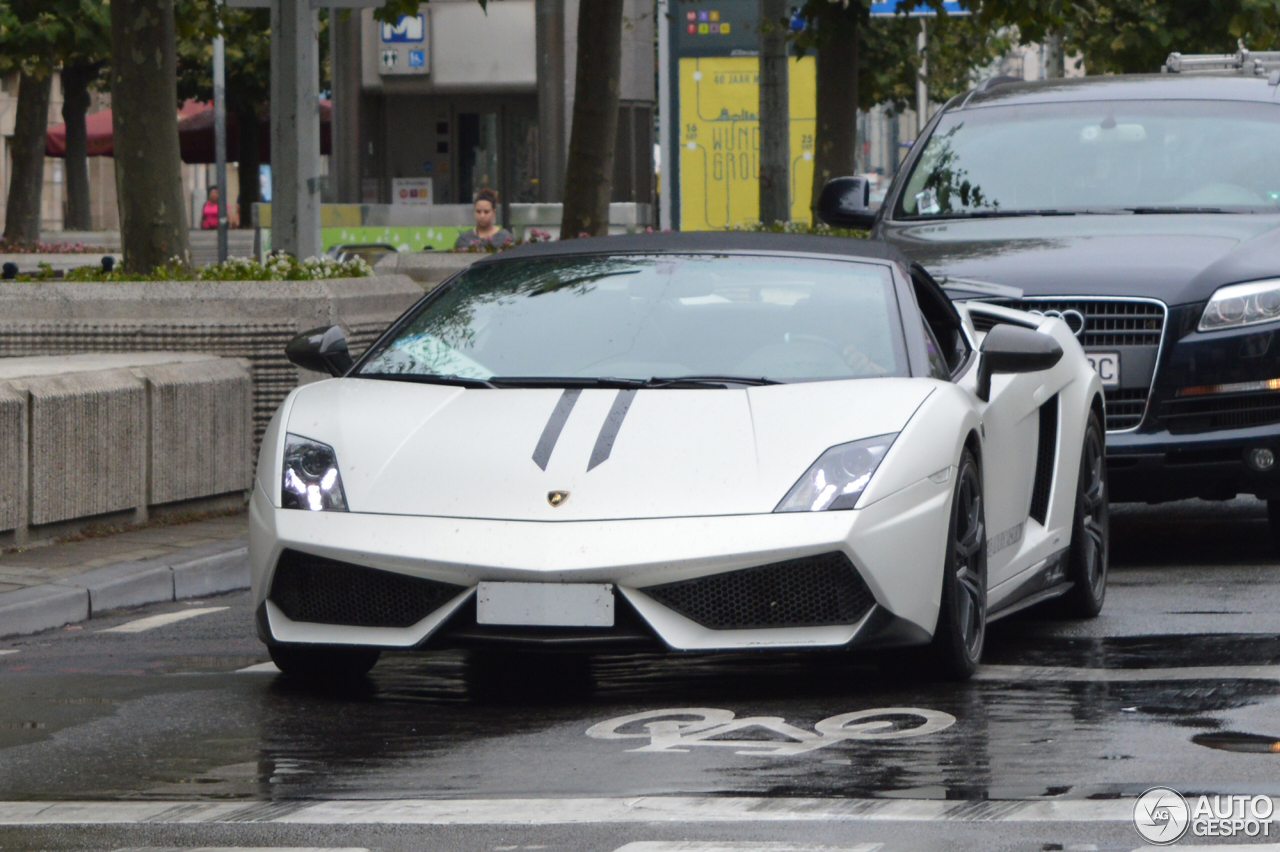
[154,621]
[676,730]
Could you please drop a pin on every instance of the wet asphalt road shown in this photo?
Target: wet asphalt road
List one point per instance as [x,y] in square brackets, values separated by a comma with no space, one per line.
[1073,713]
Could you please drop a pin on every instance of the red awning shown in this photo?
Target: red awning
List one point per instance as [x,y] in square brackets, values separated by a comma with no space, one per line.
[195,134]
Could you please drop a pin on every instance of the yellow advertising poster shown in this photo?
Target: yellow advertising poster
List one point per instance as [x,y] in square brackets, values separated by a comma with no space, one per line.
[720,140]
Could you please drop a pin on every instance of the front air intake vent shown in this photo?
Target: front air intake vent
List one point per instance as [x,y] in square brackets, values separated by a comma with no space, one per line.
[1045,452]
[325,591]
[815,591]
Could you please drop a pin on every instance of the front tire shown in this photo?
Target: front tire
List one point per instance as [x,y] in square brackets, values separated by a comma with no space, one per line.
[1088,558]
[962,618]
[324,664]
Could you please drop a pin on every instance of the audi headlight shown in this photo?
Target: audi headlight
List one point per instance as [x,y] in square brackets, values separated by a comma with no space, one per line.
[311,479]
[1242,304]
[839,476]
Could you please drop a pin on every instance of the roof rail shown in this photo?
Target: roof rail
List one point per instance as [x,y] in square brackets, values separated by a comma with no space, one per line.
[998,80]
[1243,62]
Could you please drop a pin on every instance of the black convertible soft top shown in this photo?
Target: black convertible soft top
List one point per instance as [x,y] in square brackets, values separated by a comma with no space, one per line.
[708,241]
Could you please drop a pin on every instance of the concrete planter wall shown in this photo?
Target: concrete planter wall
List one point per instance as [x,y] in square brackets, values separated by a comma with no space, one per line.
[94,435]
[252,320]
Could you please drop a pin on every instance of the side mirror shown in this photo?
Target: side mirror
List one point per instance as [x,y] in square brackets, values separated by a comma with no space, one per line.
[846,203]
[322,350]
[1013,349]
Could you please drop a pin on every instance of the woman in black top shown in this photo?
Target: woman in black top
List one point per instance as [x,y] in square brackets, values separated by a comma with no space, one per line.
[485,233]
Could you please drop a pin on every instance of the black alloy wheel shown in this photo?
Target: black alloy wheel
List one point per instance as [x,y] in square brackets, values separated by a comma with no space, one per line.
[1088,557]
[962,617]
[324,664]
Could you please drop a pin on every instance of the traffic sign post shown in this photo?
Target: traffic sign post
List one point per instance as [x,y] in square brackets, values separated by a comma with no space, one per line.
[295,119]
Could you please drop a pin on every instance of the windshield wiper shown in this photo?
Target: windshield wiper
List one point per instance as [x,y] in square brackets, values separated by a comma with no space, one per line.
[625,384]
[564,382]
[430,379]
[703,381]
[1144,211]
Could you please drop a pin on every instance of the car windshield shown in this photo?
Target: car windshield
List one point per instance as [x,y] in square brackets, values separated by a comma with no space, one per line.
[1112,156]
[653,318]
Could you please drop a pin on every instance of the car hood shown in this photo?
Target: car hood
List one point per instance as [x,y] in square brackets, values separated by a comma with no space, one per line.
[1178,259]
[418,449]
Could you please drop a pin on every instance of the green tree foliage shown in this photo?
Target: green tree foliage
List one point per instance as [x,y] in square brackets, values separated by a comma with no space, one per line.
[38,37]
[1135,36]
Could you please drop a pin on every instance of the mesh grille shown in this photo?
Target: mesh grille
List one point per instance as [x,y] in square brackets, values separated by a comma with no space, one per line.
[1045,452]
[1125,407]
[1225,412]
[325,591]
[811,592]
[1120,323]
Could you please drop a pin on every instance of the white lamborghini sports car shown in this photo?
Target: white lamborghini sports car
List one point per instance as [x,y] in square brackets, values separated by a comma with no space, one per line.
[681,441]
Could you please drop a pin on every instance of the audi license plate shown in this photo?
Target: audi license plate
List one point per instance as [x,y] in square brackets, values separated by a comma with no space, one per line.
[545,604]
[1107,365]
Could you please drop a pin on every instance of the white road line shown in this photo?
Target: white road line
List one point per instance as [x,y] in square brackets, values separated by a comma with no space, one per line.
[1229,847]
[739,846]
[1063,673]
[643,809]
[4,651]
[243,849]
[260,668]
[151,622]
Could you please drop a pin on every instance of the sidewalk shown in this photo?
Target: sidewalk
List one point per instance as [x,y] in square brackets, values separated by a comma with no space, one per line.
[50,585]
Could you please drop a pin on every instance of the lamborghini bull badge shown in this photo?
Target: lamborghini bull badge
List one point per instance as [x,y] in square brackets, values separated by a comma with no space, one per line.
[557,498]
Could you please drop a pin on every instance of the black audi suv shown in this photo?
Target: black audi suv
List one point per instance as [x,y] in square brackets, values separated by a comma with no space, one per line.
[1143,210]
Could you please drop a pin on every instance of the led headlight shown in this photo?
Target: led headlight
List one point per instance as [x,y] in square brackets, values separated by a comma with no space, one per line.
[839,476]
[311,479]
[1242,304]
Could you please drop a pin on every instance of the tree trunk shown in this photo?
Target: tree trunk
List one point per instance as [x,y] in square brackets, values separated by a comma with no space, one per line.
[247,164]
[75,105]
[588,180]
[775,114]
[144,86]
[1054,62]
[22,211]
[836,136]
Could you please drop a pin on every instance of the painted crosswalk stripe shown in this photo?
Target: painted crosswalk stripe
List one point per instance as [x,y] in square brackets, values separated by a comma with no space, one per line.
[260,668]
[525,812]
[1065,673]
[151,622]
[740,846]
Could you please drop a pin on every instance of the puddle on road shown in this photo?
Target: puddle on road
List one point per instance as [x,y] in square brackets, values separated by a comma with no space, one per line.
[1006,647]
[1240,742]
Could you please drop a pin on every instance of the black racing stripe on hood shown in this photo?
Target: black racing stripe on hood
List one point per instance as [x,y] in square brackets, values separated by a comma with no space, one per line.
[555,425]
[609,431]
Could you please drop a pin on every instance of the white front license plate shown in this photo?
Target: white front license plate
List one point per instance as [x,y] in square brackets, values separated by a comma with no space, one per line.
[545,604]
[1107,366]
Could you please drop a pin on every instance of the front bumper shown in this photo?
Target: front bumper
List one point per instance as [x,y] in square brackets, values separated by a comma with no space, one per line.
[896,545]
[1193,443]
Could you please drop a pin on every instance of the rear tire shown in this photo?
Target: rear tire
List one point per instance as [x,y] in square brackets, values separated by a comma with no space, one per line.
[321,664]
[962,618]
[1088,558]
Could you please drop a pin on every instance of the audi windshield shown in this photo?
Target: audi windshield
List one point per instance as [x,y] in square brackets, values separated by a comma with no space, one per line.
[658,319]
[1105,157]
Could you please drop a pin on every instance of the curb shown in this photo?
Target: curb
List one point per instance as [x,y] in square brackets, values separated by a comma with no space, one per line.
[191,573]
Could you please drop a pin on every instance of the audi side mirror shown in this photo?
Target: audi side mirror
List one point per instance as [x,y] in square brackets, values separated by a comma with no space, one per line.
[845,202]
[1014,349]
[322,350]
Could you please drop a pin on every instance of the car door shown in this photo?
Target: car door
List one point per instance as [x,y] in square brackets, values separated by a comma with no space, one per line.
[1011,423]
